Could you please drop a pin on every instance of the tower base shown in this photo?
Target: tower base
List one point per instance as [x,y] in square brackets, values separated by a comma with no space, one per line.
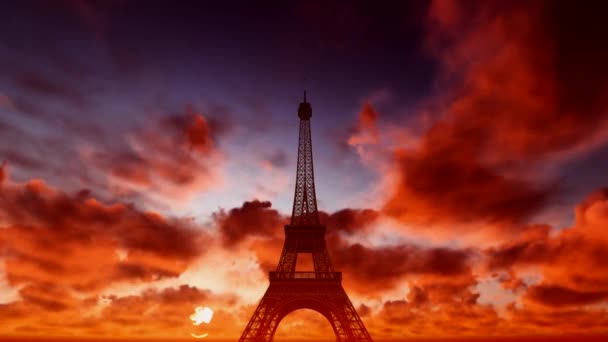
[305,290]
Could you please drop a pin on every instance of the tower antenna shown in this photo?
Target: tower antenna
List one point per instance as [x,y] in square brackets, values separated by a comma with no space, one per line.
[305,86]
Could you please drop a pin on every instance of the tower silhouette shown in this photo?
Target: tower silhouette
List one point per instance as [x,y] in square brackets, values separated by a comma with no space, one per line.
[320,290]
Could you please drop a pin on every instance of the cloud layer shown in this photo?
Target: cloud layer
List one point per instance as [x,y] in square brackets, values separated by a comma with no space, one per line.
[473,233]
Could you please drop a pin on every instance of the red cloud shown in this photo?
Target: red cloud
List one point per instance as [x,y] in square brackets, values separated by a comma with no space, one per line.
[366,129]
[175,154]
[194,130]
[2,172]
[444,183]
[515,96]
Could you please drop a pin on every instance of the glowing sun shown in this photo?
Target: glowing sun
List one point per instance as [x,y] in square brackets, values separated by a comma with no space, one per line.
[201,315]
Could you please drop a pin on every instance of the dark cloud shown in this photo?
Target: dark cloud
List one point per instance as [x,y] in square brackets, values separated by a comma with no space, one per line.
[349,220]
[369,269]
[48,297]
[395,312]
[277,159]
[40,84]
[579,63]
[21,160]
[380,268]
[530,248]
[562,296]
[256,219]
[417,296]
[257,224]
[252,219]
[180,296]
[364,310]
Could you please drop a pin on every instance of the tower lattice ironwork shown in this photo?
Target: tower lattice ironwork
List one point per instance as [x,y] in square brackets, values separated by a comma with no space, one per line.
[321,289]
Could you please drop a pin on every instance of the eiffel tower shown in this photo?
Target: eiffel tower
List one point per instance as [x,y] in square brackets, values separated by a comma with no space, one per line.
[320,290]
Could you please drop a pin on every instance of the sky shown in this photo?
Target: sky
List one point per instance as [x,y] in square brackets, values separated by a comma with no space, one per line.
[148,151]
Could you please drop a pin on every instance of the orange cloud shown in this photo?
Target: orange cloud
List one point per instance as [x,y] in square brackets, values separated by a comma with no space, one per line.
[57,246]
[571,262]
[439,294]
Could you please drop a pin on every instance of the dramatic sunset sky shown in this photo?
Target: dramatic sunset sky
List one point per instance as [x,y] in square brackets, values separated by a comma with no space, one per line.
[148,151]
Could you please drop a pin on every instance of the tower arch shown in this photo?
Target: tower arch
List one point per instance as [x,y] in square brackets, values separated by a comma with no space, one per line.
[309,303]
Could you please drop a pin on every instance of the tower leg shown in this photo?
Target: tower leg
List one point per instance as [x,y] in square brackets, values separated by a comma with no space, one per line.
[257,327]
[353,327]
[333,303]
